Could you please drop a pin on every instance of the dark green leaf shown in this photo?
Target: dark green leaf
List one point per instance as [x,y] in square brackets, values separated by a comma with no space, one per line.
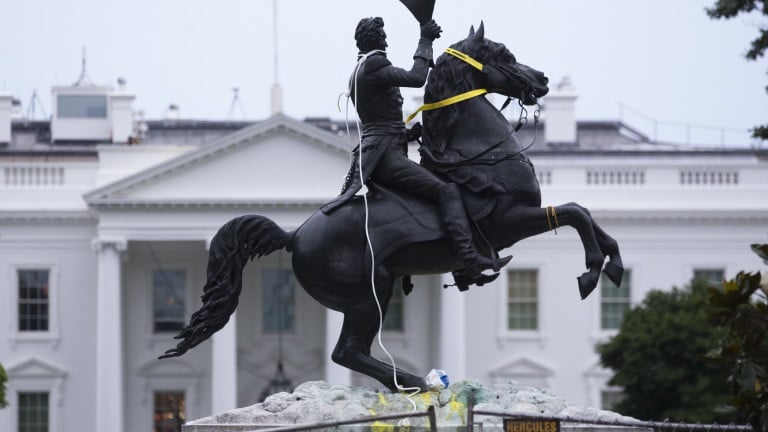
[3,380]
[761,250]
[716,297]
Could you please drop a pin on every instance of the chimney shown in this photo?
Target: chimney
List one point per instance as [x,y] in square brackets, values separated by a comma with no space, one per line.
[6,103]
[121,110]
[560,114]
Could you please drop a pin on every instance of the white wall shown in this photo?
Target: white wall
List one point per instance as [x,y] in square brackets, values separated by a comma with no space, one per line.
[64,247]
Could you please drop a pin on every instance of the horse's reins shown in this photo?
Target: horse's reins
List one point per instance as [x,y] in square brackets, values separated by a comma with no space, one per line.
[522,120]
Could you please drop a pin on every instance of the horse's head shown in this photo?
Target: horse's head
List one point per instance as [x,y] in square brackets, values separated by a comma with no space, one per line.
[501,72]
[477,63]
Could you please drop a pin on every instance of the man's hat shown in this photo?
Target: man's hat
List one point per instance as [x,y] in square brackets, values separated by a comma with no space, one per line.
[421,9]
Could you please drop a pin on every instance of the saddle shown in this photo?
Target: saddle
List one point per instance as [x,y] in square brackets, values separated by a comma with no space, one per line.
[404,219]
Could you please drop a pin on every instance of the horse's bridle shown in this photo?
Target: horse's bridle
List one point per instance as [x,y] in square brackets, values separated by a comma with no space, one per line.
[509,74]
[512,75]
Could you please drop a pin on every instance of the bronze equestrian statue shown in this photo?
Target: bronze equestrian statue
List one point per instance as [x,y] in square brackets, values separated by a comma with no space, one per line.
[468,144]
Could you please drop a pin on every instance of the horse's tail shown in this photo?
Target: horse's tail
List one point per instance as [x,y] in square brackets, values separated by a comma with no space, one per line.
[241,239]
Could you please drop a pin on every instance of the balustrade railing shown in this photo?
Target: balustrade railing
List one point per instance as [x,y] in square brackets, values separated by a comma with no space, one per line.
[629,176]
[711,177]
[33,175]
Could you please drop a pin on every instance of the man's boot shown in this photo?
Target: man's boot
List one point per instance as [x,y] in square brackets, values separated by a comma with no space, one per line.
[456,224]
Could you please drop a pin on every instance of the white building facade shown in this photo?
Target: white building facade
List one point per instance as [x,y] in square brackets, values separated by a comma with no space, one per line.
[103,253]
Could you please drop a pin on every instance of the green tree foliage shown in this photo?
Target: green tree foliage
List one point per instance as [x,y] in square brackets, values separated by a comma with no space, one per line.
[658,359]
[731,8]
[3,380]
[740,307]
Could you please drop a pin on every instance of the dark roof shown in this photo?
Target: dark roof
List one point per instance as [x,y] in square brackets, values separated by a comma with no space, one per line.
[32,138]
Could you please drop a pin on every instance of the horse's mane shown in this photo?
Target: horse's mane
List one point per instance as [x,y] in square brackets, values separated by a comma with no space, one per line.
[450,77]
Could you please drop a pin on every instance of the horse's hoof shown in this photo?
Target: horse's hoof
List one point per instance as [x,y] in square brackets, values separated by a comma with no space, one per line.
[408,384]
[614,272]
[587,284]
[485,278]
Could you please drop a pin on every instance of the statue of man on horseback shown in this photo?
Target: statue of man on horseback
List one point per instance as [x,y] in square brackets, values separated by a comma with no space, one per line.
[472,164]
[374,88]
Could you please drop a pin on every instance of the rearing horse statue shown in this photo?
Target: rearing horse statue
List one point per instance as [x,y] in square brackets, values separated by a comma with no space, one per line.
[468,142]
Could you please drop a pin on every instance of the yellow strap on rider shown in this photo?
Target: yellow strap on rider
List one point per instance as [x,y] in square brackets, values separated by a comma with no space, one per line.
[467,59]
[445,102]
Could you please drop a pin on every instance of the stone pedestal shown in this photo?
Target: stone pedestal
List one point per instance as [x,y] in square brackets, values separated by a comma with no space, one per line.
[317,402]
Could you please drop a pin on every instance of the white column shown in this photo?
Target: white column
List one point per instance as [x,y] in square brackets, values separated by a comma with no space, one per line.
[453,335]
[109,337]
[334,374]
[224,367]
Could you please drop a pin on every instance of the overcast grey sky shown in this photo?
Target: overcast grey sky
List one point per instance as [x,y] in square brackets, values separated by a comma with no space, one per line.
[663,58]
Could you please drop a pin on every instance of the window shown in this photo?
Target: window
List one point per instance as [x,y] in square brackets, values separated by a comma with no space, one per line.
[169,414]
[33,300]
[169,290]
[614,302]
[32,297]
[713,276]
[170,392]
[82,106]
[33,411]
[34,391]
[278,288]
[394,321]
[522,300]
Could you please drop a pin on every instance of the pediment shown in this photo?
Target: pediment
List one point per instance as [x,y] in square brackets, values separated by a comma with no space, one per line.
[35,368]
[278,160]
[521,367]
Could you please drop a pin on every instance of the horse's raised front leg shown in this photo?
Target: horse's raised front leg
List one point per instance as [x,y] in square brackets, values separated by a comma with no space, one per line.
[361,324]
[531,221]
[614,268]
[579,219]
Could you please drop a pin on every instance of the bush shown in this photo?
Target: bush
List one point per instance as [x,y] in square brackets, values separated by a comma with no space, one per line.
[739,307]
[3,380]
[657,358]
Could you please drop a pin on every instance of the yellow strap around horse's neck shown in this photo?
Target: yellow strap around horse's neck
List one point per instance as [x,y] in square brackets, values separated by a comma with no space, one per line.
[459,97]
[449,101]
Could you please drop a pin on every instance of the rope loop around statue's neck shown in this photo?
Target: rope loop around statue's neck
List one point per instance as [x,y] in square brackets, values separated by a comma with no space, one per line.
[459,97]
